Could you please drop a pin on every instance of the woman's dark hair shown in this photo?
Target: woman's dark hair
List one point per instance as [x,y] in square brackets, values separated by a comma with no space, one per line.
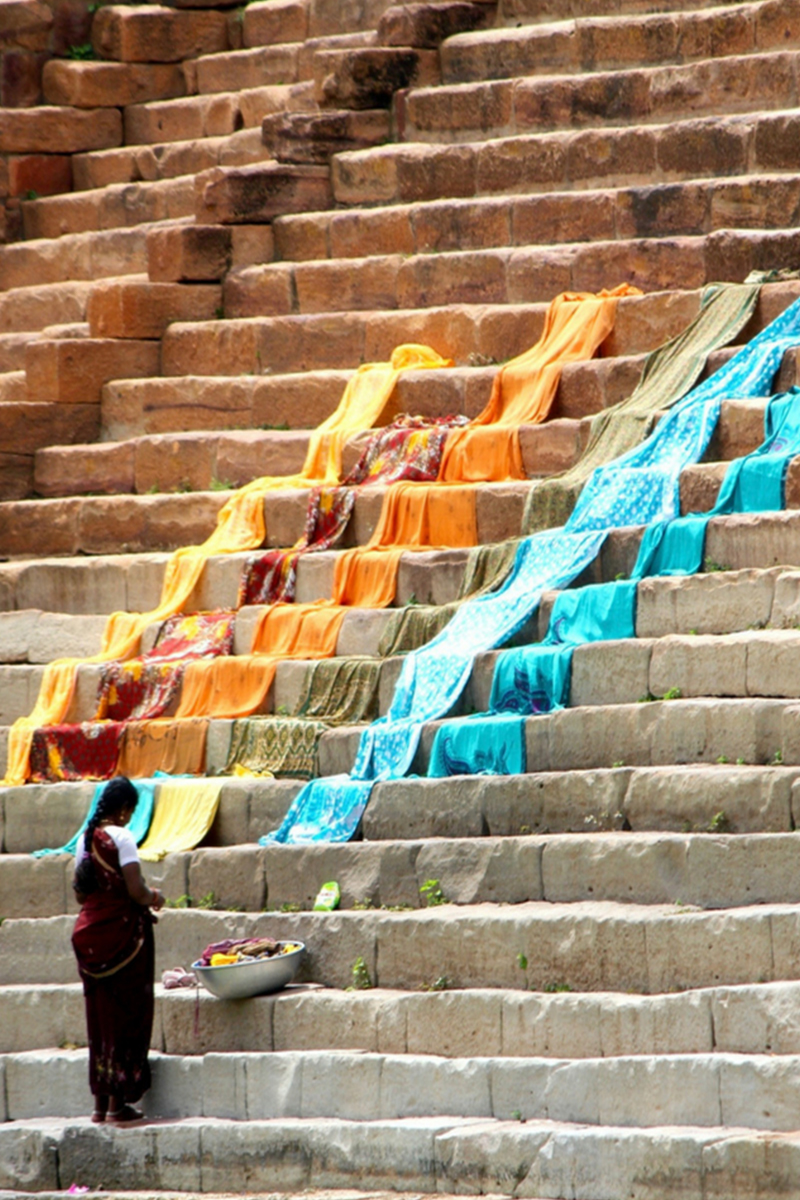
[119,795]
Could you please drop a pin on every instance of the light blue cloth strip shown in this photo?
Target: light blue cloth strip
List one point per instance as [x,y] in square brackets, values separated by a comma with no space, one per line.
[137,826]
[639,488]
[334,805]
[482,745]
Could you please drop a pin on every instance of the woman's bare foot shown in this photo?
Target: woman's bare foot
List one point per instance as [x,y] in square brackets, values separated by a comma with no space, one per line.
[100,1110]
[125,1115]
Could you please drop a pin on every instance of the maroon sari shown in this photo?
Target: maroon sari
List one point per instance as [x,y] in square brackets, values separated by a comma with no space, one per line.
[113,943]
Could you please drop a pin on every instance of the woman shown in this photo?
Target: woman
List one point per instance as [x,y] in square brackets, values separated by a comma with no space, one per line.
[113,943]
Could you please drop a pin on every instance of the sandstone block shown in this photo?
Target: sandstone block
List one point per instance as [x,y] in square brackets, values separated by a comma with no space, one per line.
[132,308]
[45,174]
[274,22]
[245,195]
[699,665]
[40,130]
[73,371]
[314,137]
[112,85]
[188,252]
[235,875]
[66,470]
[593,682]
[156,35]
[426,25]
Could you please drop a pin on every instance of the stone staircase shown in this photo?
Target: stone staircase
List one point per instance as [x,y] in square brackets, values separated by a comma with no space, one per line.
[209,225]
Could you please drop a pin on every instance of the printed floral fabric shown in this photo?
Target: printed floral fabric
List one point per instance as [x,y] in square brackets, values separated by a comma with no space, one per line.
[149,686]
[71,752]
[408,449]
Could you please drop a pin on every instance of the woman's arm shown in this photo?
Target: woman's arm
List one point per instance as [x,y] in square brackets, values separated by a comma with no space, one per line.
[138,890]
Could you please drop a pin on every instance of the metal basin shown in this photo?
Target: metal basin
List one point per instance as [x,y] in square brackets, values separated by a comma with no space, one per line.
[237,981]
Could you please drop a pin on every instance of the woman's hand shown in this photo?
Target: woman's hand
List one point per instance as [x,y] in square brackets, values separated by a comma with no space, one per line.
[156,899]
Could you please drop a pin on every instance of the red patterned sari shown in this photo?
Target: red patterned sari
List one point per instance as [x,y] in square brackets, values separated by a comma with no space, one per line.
[113,943]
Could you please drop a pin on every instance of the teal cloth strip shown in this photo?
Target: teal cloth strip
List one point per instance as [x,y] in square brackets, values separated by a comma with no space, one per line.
[480,745]
[138,824]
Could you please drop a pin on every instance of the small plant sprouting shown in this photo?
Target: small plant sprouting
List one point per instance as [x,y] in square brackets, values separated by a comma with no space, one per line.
[219,313]
[778,756]
[710,565]
[84,51]
[361,976]
[442,984]
[516,1115]
[220,485]
[31,194]
[183,901]
[206,901]
[722,758]
[719,823]
[557,987]
[289,906]
[432,892]
[673,693]
[363,905]
[618,762]
[646,698]
[693,632]
[522,961]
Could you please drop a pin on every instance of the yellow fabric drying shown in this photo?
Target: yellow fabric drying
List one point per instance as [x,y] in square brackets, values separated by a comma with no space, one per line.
[240,527]
[524,389]
[183,814]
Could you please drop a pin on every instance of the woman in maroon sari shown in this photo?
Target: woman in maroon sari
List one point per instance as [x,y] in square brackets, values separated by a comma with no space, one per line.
[113,943]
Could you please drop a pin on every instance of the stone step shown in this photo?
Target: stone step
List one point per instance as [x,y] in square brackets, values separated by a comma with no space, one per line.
[200,460]
[133,307]
[91,255]
[746,1020]
[132,524]
[39,130]
[590,946]
[495,332]
[752,800]
[217,114]
[502,276]
[29,425]
[112,207]
[12,349]
[676,209]
[523,104]
[274,62]
[618,41]
[277,22]
[706,1090]
[28,309]
[109,84]
[719,871]
[550,162]
[419,1154]
[530,12]
[13,387]
[152,34]
[166,160]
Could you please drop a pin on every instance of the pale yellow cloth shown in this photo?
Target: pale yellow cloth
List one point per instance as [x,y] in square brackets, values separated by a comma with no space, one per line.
[183,814]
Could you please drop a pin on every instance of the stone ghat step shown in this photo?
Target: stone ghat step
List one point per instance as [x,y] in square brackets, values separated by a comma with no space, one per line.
[92,255]
[707,1090]
[589,946]
[217,114]
[681,208]
[444,1154]
[753,1020]
[455,1155]
[528,103]
[134,408]
[160,161]
[756,664]
[41,129]
[12,349]
[495,332]
[204,459]
[618,40]
[138,524]
[280,63]
[568,160]
[530,12]
[31,309]
[116,206]
[752,800]
[110,85]
[717,871]
[502,275]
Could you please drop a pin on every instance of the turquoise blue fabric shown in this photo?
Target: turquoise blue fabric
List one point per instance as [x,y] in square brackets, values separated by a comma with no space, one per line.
[332,806]
[639,488]
[480,745]
[138,824]
[754,483]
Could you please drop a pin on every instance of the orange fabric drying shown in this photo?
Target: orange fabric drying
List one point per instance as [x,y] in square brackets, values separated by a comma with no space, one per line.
[524,389]
[223,687]
[299,630]
[177,747]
